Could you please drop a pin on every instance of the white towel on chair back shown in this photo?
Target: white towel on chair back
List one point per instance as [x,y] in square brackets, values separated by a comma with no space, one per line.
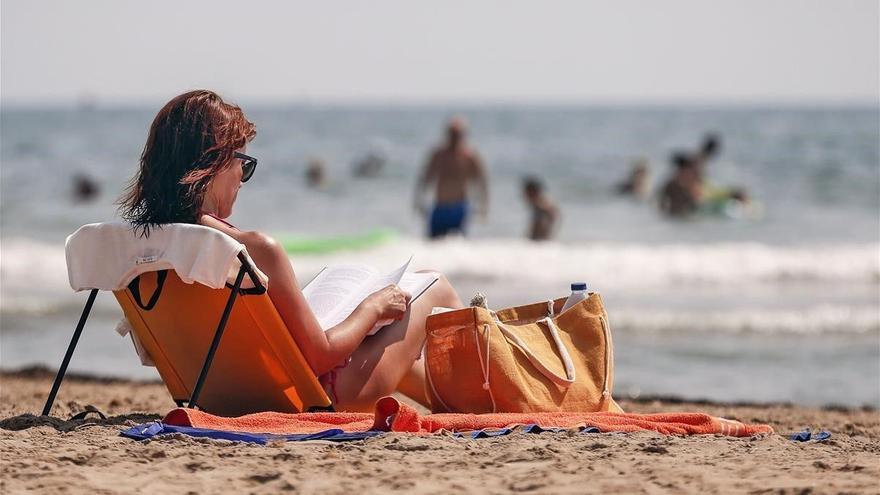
[108,256]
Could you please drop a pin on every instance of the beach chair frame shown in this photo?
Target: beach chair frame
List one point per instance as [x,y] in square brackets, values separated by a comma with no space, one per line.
[246,268]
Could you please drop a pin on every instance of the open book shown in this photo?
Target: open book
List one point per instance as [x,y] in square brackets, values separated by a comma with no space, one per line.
[338,290]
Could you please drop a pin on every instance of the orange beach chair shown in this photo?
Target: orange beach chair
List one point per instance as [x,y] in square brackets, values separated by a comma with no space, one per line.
[222,349]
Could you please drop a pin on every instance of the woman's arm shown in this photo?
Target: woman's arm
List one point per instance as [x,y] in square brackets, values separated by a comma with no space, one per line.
[322,350]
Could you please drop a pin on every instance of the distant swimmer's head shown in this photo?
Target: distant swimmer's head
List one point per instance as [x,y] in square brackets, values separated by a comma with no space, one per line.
[638,182]
[85,188]
[640,167]
[681,160]
[739,194]
[192,163]
[315,173]
[456,130]
[711,145]
[533,187]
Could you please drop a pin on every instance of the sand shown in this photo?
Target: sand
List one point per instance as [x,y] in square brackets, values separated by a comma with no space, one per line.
[56,456]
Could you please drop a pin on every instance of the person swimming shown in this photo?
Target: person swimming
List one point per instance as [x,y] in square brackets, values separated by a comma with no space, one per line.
[453,167]
[316,173]
[85,188]
[371,164]
[545,213]
[689,191]
[637,184]
[682,193]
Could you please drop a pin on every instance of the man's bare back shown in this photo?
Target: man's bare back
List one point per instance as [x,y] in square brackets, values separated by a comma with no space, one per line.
[453,170]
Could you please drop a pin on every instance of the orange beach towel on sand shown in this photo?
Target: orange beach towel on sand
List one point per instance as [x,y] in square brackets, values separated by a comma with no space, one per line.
[392,415]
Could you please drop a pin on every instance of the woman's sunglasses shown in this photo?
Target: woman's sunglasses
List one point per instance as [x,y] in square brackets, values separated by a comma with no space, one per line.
[248,165]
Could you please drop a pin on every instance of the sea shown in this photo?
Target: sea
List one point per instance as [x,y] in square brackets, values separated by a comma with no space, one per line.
[782,305]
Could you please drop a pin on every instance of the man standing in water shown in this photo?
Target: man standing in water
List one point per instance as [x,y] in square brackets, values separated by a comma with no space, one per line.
[454,166]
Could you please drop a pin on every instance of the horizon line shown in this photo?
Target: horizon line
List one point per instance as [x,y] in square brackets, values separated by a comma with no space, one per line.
[94,102]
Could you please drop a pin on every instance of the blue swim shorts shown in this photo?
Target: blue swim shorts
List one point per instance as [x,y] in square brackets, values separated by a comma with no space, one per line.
[447,218]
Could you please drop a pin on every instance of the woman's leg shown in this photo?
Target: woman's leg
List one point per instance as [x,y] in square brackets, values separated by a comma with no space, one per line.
[413,383]
[382,361]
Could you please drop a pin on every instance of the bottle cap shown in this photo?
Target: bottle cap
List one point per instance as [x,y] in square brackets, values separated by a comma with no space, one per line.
[579,286]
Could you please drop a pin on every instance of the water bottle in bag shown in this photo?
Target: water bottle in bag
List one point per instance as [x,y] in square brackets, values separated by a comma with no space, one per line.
[578,294]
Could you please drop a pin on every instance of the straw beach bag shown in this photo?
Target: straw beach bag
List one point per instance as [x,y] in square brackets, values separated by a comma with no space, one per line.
[522,359]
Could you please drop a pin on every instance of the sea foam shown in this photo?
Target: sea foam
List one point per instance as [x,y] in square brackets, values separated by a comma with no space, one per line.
[34,279]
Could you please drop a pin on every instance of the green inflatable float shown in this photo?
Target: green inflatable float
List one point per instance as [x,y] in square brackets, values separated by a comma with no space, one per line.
[294,244]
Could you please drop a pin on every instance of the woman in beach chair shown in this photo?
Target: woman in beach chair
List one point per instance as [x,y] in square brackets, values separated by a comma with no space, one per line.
[191,170]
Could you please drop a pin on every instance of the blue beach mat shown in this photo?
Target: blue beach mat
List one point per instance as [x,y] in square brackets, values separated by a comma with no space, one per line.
[151,430]
[156,428]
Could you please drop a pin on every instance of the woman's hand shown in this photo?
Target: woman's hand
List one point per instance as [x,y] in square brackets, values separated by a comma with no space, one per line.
[389,303]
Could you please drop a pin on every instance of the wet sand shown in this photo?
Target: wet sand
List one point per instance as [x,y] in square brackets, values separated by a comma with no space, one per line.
[51,455]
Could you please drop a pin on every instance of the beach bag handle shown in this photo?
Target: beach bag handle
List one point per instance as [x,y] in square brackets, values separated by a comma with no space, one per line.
[511,336]
[562,381]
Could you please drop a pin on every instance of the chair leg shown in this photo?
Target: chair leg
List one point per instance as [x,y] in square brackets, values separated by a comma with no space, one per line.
[193,400]
[66,361]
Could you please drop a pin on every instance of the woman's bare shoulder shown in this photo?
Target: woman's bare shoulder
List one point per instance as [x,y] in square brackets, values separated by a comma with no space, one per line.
[247,237]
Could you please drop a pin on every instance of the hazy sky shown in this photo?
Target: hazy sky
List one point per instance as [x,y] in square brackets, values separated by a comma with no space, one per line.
[409,50]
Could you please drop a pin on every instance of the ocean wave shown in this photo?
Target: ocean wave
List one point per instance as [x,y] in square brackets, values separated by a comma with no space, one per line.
[843,319]
[625,264]
[29,265]
[648,287]
[821,319]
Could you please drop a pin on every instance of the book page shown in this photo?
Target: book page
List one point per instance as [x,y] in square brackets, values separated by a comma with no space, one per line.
[338,290]
[413,283]
[376,284]
[416,283]
[335,289]
[391,278]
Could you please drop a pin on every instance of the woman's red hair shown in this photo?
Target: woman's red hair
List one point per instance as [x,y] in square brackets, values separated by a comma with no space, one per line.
[191,140]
